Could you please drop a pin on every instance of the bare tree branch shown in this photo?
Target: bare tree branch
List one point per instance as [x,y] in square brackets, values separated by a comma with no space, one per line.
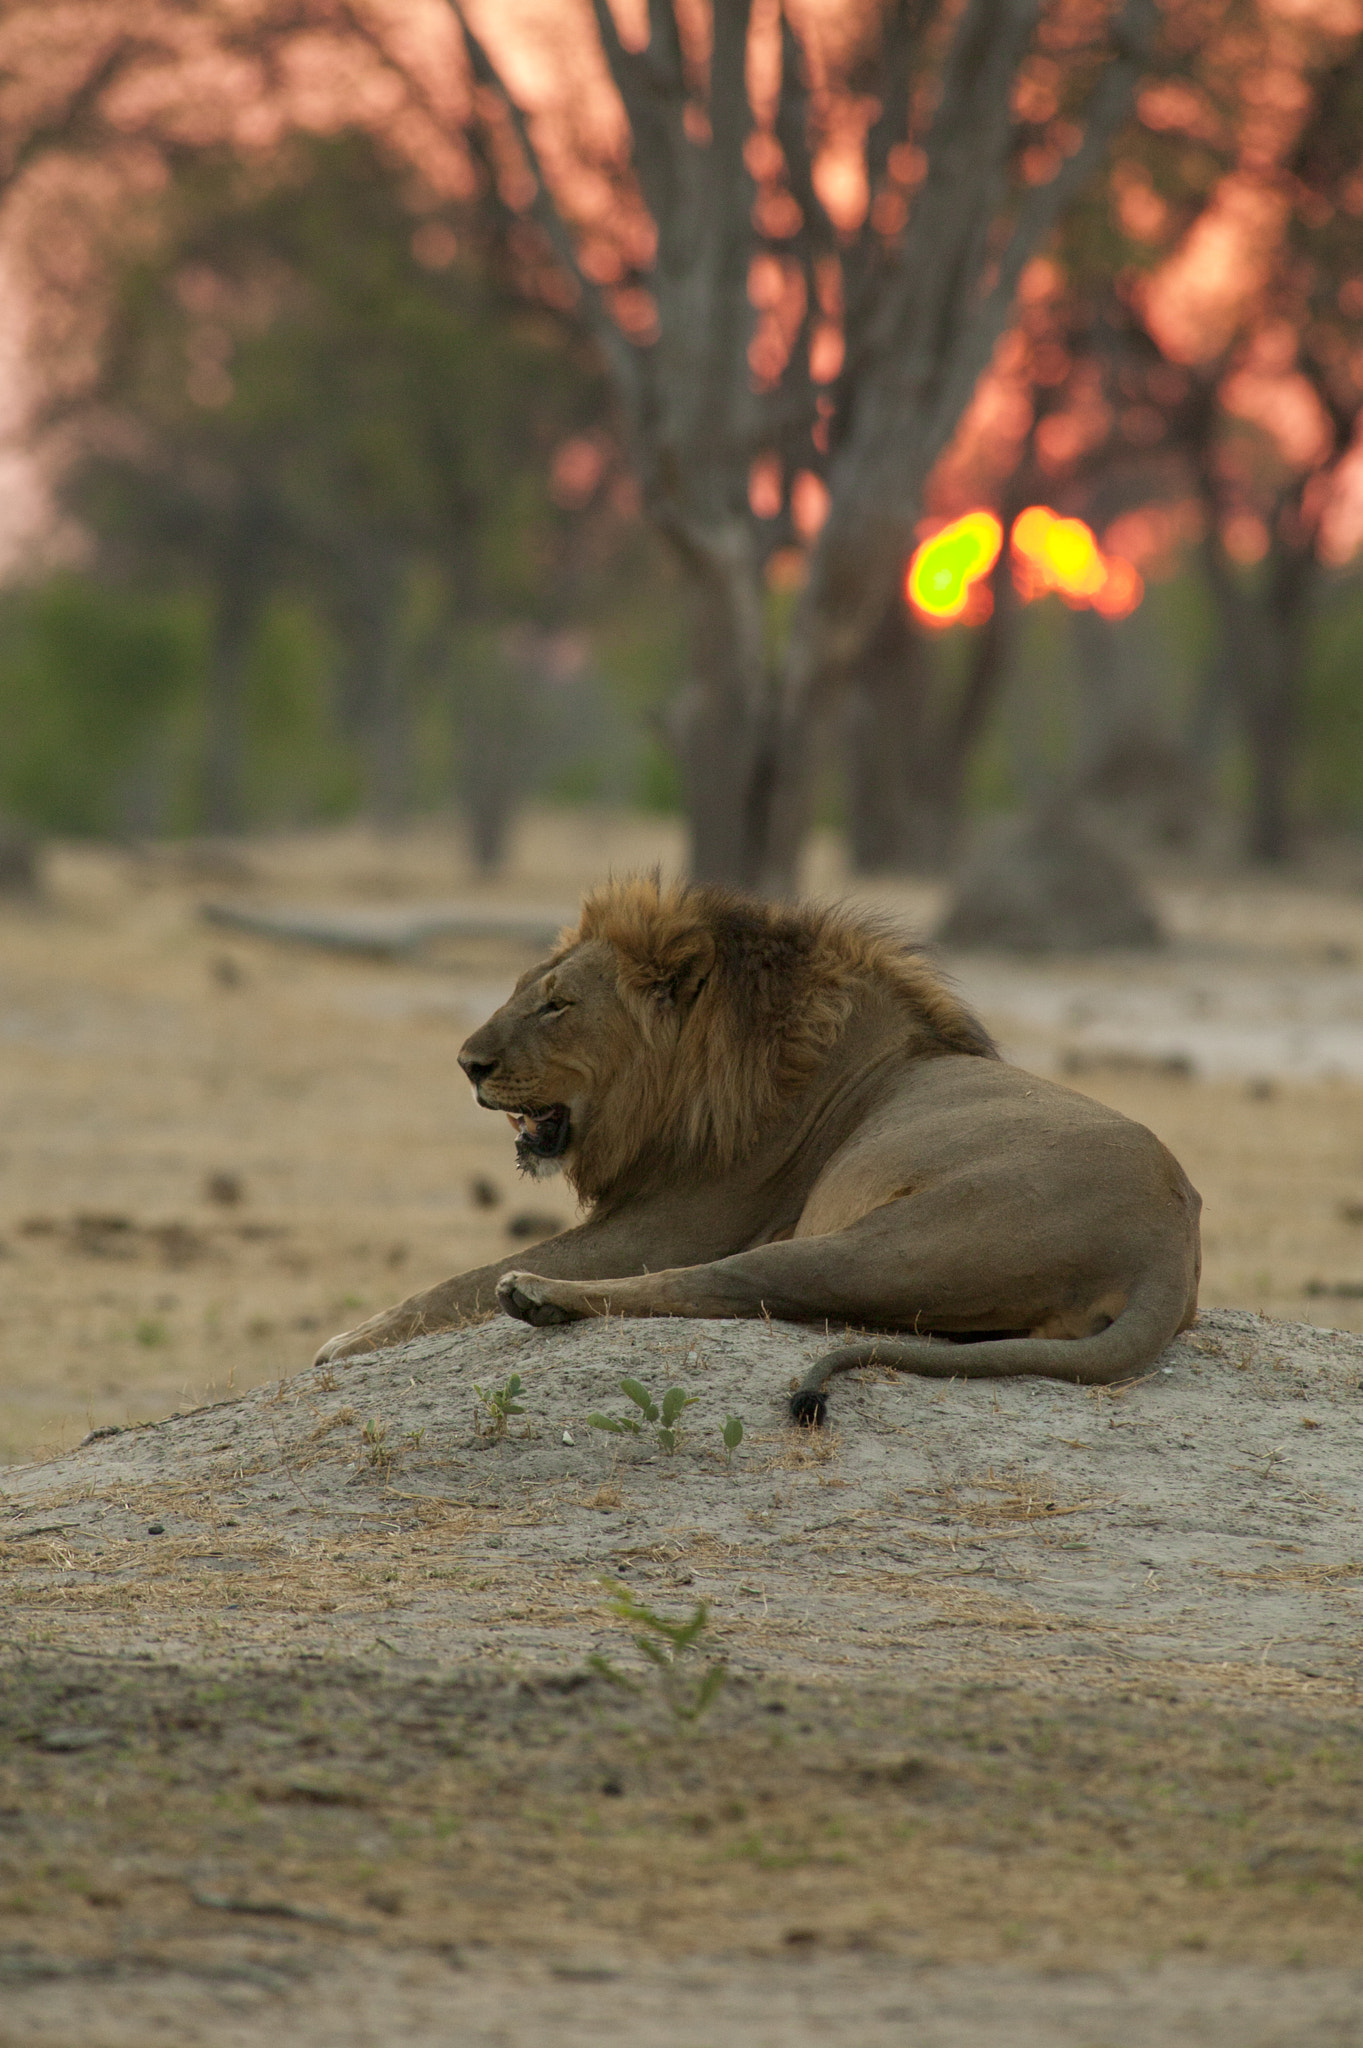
[792,132]
[664,53]
[969,148]
[728,229]
[935,334]
[653,93]
[901,37]
[1109,104]
[621,354]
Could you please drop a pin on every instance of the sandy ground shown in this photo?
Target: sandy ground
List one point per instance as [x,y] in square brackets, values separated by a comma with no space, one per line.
[1040,1721]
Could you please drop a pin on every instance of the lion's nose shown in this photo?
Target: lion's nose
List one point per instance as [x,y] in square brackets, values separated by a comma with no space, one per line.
[477,1070]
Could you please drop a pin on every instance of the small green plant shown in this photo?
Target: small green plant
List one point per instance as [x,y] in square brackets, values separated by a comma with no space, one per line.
[501,1403]
[668,1646]
[665,1416]
[151,1331]
[377,1450]
[732,1433]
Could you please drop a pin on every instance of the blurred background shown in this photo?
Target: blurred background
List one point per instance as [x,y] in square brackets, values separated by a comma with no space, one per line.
[889,450]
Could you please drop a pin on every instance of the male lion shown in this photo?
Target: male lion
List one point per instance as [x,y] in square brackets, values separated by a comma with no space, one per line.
[787,1112]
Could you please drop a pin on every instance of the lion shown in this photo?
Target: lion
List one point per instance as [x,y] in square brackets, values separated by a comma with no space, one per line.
[787,1111]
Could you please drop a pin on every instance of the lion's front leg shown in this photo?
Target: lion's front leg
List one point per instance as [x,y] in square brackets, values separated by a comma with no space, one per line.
[468,1298]
[676,1291]
[392,1326]
[542,1303]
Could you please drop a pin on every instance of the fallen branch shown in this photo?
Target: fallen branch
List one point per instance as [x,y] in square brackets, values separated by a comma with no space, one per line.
[391,934]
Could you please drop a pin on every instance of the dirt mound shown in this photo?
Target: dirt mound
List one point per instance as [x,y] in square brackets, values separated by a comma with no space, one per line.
[322,1708]
[1201,1513]
[1045,884]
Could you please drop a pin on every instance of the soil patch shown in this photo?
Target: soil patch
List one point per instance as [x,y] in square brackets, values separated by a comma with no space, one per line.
[329,1687]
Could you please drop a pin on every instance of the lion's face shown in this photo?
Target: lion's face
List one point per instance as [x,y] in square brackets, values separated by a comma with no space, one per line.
[546,1057]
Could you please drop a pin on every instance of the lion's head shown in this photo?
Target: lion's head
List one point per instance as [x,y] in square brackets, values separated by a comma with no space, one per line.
[672,1023]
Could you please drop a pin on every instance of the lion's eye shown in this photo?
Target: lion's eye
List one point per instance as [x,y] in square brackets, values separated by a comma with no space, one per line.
[553,1008]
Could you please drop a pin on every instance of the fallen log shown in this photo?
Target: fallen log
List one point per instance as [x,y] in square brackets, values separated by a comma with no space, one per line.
[380,934]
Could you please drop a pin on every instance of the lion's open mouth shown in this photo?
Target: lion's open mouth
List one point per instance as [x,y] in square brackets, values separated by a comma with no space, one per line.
[541,1133]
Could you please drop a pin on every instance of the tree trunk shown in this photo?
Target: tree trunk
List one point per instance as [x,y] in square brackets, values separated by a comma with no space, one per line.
[498,710]
[1264,629]
[1271,712]
[721,726]
[885,719]
[910,748]
[224,760]
[375,708]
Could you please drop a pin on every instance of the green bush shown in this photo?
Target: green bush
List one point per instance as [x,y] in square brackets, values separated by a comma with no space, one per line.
[90,680]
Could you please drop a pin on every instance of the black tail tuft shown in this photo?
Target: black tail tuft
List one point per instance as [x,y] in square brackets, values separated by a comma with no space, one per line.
[808,1407]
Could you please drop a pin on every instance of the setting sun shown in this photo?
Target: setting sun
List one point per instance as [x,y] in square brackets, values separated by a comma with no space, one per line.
[946,567]
[947,571]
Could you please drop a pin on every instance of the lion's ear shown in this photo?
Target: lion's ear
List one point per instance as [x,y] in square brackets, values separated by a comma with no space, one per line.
[689,968]
[677,966]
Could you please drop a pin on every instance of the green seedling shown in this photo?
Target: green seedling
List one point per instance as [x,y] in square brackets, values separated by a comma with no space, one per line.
[665,1417]
[501,1403]
[377,1450]
[668,1646]
[732,1433]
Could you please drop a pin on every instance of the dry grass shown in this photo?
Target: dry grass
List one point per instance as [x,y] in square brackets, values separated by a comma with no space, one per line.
[1299,1574]
[948,1825]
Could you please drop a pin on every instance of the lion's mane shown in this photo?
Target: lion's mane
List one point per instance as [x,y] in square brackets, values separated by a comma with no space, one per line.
[729,1005]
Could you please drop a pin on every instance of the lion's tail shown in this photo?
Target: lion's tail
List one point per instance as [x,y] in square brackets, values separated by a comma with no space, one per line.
[1156,1312]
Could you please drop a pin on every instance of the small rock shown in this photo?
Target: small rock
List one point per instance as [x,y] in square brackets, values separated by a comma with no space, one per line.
[1045,885]
[223,1188]
[66,1740]
[532,1223]
[484,1193]
[386,1899]
[156,1528]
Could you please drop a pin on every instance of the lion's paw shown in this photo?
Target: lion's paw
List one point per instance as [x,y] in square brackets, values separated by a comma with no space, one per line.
[527,1297]
[350,1344]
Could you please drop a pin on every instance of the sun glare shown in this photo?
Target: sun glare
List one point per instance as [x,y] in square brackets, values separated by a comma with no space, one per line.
[945,583]
[947,566]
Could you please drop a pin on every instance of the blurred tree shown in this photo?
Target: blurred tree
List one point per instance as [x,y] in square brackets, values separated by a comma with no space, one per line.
[1193,362]
[796,290]
[1270,429]
[87,674]
[307,381]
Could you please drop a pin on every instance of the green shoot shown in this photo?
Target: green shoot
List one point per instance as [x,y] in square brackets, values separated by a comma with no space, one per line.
[664,1417]
[378,1452]
[667,1645]
[732,1432]
[603,1667]
[501,1403]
